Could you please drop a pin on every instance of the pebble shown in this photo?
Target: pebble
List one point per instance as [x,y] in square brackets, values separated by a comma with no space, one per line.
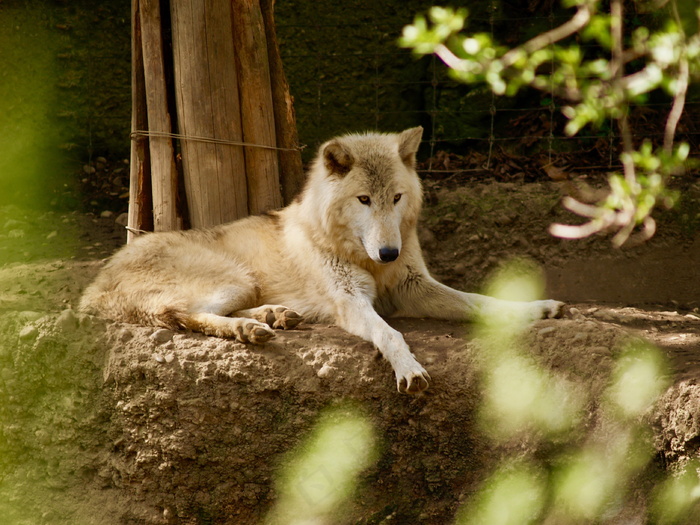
[604,315]
[122,219]
[546,330]
[460,268]
[575,313]
[162,335]
[51,235]
[12,223]
[426,237]
[29,316]
[28,332]
[159,358]
[126,335]
[88,170]
[67,321]
[325,370]
[504,220]
[106,214]
[43,437]
[88,321]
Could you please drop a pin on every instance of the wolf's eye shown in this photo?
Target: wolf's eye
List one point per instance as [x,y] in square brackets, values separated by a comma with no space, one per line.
[397,198]
[364,199]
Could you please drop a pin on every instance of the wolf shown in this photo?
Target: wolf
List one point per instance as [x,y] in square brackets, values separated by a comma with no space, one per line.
[346,251]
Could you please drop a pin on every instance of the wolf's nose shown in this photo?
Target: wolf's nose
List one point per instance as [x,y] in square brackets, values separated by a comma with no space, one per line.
[388,254]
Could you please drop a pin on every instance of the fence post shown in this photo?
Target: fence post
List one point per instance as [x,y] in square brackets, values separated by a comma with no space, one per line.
[140,203]
[290,165]
[162,153]
[253,67]
[207,96]
[235,120]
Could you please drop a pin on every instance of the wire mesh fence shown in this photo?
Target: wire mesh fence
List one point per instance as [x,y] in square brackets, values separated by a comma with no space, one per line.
[342,86]
[347,73]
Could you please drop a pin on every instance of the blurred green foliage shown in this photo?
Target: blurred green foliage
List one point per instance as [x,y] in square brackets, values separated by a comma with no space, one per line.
[36,176]
[568,454]
[321,474]
[632,63]
[30,159]
[591,475]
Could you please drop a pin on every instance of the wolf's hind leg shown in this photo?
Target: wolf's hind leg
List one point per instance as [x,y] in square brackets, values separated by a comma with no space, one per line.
[243,330]
[275,315]
[210,314]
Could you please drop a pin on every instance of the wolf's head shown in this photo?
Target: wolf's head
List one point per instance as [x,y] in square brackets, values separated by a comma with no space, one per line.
[365,193]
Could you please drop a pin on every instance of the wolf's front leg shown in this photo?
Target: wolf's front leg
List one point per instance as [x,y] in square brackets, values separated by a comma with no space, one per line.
[423,296]
[357,316]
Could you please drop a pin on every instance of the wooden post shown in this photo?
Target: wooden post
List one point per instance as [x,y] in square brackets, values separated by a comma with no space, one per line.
[207,97]
[257,114]
[162,153]
[290,165]
[229,88]
[140,204]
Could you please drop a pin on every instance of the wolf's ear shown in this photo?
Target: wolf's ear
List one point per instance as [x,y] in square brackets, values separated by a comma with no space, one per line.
[336,158]
[409,142]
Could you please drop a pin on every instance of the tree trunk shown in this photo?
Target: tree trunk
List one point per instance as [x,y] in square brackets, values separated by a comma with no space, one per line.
[235,121]
[162,154]
[207,96]
[290,165]
[262,168]
[140,203]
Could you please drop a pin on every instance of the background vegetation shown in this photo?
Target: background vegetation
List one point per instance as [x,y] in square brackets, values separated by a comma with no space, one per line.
[342,60]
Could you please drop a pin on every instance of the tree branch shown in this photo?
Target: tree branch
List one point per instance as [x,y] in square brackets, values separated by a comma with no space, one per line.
[575,24]
[682,80]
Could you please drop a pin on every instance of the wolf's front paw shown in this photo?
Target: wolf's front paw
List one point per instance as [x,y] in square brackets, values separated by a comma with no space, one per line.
[413,381]
[549,309]
[282,317]
[274,315]
[249,331]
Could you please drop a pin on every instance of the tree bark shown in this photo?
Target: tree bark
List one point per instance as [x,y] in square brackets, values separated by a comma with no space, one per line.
[206,87]
[140,203]
[162,153]
[290,165]
[235,119]
[262,167]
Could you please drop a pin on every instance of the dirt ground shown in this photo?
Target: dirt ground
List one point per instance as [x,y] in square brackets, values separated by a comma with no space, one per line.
[106,423]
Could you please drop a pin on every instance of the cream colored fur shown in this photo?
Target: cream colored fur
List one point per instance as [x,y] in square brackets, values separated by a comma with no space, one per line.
[345,252]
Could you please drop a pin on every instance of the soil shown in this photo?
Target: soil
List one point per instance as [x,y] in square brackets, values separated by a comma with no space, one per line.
[108,423]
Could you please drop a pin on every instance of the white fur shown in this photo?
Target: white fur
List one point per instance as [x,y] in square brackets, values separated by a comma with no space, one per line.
[319,258]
